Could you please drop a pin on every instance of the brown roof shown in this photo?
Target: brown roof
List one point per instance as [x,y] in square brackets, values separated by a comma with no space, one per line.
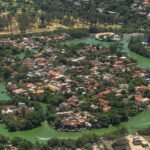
[39,91]
[37,55]
[106,108]
[10,107]
[73,122]
[106,92]
[104,102]
[73,101]
[118,62]
[141,88]
[138,97]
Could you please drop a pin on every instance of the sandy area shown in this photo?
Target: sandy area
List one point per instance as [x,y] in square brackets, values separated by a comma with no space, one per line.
[137,147]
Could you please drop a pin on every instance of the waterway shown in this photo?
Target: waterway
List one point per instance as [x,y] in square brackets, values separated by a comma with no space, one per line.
[45,132]
[3,93]
[143,62]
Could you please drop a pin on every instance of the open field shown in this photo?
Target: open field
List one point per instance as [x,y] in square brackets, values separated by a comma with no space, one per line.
[55,26]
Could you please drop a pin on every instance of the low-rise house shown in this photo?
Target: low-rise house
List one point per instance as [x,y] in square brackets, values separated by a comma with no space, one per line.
[39,91]
[94,107]
[64,106]
[146,2]
[73,123]
[103,93]
[136,140]
[30,86]
[10,147]
[124,86]
[107,76]
[145,101]
[73,101]
[64,87]
[10,87]
[118,63]
[52,87]
[105,105]
[141,89]
[141,100]
[78,59]
[55,74]
[29,63]
[106,108]
[94,69]
[148,16]
[19,91]
[9,109]
[103,102]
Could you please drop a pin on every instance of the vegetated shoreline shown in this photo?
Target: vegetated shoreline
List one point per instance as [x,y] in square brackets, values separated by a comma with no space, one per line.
[36,133]
[144,54]
[112,131]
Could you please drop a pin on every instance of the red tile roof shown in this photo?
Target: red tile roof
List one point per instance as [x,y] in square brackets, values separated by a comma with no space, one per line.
[106,108]
[73,122]
[103,102]
[106,92]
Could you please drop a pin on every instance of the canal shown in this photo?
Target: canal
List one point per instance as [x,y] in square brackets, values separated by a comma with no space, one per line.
[3,93]
[45,132]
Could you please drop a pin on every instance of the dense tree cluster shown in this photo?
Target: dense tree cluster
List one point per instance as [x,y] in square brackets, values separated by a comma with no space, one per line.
[23,120]
[7,50]
[84,142]
[31,14]
[141,45]
[145,131]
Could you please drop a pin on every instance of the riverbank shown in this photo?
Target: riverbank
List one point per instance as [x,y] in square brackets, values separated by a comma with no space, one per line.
[143,62]
[45,132]
[144,53]
[3,93]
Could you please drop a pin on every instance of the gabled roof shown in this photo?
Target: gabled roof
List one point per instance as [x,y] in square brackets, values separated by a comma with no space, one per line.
[104,102]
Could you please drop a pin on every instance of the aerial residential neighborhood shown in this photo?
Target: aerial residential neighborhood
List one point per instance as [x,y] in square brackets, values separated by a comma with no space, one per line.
[81,91]
[75,75]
